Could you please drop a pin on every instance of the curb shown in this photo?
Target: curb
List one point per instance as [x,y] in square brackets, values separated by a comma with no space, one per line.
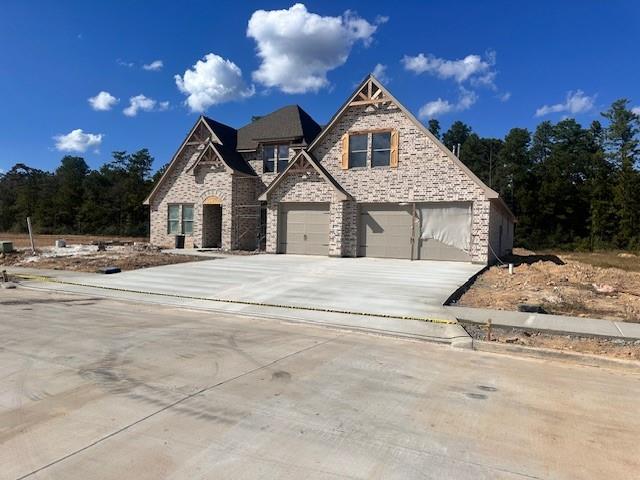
[547,353]
[280,317]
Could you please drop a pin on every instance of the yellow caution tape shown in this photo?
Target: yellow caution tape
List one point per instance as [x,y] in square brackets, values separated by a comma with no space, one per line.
[44,278]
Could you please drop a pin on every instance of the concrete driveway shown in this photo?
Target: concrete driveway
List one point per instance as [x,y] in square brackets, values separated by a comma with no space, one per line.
[360,285]
[102,389]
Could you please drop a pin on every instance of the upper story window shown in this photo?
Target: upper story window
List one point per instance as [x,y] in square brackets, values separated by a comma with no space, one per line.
[377,148]
[358,146]
[275,158]
[381,149]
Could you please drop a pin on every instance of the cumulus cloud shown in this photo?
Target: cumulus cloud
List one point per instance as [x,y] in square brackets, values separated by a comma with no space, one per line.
[439,107]
[145,104]
[380,72]
[211,81]
[636,110]
[153,66]
[103,101]
[575,103]
[77,141]
[504,97]
[473,68]
[298,48]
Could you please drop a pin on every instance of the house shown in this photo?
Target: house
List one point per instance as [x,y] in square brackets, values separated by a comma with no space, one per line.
[373,182]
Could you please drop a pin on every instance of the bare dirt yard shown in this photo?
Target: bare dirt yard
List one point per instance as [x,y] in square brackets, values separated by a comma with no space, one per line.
[610,347]
[597,285]
[83,254]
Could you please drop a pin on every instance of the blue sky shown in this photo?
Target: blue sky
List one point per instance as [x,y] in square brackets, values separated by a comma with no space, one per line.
[493,65]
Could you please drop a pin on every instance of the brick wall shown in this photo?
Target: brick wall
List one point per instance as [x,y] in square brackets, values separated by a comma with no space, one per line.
[193,187]
[424,173]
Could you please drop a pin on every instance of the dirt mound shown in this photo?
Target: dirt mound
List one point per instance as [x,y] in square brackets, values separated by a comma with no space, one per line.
[569,287]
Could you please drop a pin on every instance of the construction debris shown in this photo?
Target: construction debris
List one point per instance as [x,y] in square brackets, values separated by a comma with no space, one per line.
[99,257]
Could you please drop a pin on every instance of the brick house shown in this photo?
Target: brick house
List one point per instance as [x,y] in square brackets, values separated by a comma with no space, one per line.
[373,182]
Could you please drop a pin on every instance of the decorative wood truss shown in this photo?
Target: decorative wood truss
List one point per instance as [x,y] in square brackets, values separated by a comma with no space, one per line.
[201,135]
[207,156]
[370,94]
[300,164]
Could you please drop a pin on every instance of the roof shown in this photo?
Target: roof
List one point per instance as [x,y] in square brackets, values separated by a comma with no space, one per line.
[228,136]
[290,122]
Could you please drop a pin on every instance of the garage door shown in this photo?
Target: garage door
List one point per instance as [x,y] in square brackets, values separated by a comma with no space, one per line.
[304,228]
[385,232]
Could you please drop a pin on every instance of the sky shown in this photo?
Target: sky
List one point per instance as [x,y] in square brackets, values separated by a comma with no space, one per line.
[88,78]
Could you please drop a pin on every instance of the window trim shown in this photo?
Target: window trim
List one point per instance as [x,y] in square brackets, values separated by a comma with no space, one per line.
[369,161]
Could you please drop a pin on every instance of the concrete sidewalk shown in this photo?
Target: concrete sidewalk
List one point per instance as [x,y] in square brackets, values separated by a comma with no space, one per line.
[561,324]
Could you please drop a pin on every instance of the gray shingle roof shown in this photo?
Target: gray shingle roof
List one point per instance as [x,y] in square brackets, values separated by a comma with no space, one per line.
[228,136]
[290,122]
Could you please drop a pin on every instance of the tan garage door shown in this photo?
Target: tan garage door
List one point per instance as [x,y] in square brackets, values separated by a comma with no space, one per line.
[304,228]
[384,231]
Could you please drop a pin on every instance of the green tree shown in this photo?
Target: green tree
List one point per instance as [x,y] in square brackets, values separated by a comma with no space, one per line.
[621,146]
[434,127]
[457,134]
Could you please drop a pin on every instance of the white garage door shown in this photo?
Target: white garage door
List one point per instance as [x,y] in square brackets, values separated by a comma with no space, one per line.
[304,228]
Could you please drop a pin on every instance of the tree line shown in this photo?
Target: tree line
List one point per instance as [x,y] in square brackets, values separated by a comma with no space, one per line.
[569,186]
[75,199]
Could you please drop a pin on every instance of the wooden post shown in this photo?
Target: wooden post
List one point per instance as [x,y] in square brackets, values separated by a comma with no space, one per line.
[33,247]
[489,330]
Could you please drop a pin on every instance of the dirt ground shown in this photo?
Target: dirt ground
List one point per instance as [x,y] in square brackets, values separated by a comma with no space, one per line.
[597,285]
[21,240]
[617,348]
[87,258]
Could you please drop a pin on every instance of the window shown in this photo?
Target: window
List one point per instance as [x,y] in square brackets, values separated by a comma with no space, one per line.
[381,149]
[358,150]
[187,219]
[180,219]
[275,157]
[283,157]
[269,158]
[174,219]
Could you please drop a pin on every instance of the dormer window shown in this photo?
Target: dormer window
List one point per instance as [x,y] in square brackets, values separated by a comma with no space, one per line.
[275,158]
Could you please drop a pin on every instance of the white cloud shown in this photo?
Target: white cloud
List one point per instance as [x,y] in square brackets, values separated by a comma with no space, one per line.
[299,48]
[504,97]
[575,103]
[124,63]
[439,107]
[153,66]
[211,81]
[103,101]
[380,72]
[472,68]
[636,110]
[77,141]
[145,104]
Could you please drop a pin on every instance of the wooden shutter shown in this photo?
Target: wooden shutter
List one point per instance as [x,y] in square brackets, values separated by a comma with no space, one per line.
[345,151]
[394,149]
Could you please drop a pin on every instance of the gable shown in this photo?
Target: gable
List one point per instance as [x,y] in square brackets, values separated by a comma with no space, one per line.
[371,97]
[303,167]
[206,134]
